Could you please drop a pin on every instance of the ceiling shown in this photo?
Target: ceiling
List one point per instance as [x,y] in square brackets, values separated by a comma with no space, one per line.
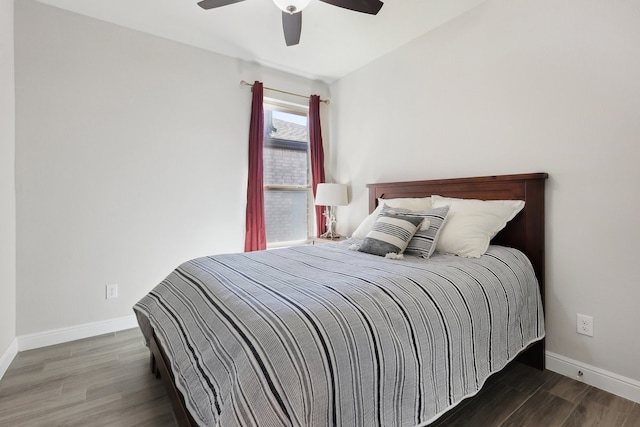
[334,41]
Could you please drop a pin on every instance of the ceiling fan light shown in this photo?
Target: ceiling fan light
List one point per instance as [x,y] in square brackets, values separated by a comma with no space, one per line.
[291,6]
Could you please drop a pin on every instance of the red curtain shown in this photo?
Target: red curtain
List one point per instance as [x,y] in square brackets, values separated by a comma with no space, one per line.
[255,237]
[317,157]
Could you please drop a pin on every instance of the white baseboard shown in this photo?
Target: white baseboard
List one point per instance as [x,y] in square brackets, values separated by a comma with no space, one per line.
[7,357]
[599,378]
[58,336]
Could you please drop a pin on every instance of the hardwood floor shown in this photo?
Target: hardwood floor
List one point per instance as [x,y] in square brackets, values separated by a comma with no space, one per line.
[101,381]
[105,381]
[525,397]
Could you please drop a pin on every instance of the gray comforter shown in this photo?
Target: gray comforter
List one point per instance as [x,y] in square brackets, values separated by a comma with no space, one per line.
[324,336]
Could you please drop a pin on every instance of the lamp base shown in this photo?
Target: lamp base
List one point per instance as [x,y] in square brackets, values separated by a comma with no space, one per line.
[330,235]
[331,224]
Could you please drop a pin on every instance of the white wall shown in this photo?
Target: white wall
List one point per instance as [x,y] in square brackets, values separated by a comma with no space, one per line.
[7,182]
[513,87]
[130,158]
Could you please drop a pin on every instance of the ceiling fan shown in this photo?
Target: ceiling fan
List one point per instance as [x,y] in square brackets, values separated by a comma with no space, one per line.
[292,12]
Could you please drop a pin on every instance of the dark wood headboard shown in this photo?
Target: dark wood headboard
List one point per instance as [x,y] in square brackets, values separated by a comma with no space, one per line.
[525,232]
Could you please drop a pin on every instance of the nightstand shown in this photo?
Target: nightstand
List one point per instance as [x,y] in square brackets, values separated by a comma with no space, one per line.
[323,240]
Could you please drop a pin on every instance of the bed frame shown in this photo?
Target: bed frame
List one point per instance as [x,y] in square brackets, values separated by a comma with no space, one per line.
[525,232]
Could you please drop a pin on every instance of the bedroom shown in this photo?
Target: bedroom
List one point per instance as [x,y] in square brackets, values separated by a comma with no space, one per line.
[508,87]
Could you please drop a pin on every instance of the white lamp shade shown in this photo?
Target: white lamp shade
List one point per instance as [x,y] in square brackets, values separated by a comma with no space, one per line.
[331,195]
[291,6]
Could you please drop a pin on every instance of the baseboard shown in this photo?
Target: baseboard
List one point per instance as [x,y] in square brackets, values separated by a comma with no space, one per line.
[599,378]
[8,356]
[58,336]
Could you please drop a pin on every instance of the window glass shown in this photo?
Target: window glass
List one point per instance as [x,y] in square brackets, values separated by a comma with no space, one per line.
[287,177]
[286,215]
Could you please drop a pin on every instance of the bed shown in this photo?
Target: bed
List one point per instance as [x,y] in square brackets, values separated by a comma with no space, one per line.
[324,335]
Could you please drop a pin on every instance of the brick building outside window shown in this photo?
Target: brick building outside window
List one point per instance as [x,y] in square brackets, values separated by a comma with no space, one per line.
[288,199]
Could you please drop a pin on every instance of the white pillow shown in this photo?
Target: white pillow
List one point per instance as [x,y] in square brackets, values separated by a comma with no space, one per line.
[471,223]
[412,204]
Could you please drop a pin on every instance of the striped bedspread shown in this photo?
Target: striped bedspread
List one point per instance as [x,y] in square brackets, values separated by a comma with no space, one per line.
[323,336]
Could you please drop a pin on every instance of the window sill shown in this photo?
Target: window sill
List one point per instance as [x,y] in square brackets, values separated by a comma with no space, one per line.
[278,245]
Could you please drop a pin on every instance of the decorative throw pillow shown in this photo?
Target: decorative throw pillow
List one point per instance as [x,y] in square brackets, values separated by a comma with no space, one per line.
[471,224]
[409,203]
[390,234]
[423,243]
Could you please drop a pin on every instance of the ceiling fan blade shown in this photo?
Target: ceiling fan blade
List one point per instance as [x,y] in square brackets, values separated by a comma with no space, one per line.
[365,6]
[212,4]
[292,27]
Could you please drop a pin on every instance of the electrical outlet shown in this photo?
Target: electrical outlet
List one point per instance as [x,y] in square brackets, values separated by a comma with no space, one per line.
[112,291]
[585,325]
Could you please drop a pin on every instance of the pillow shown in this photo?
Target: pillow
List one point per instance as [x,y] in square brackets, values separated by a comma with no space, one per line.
[390,234]
[471,223]
[412,204]
[423,243]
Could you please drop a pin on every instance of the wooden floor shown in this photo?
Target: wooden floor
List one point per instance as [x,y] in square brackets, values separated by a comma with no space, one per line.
[105,381]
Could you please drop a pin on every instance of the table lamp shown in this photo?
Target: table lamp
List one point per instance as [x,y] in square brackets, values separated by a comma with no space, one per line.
[331,195]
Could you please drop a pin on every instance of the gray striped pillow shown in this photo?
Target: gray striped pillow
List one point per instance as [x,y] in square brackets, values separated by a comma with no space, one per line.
[423,243]
[390,234]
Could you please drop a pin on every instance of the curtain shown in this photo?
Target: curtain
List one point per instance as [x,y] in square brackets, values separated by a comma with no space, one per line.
[255,237]
[317,157]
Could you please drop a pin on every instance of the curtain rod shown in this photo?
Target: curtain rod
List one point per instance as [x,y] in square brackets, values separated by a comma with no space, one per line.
[242,82]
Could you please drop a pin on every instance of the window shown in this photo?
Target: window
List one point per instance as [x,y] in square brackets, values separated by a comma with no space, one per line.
[287,176]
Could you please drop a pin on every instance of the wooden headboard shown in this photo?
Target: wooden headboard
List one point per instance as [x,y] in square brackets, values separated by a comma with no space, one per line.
[525,232]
